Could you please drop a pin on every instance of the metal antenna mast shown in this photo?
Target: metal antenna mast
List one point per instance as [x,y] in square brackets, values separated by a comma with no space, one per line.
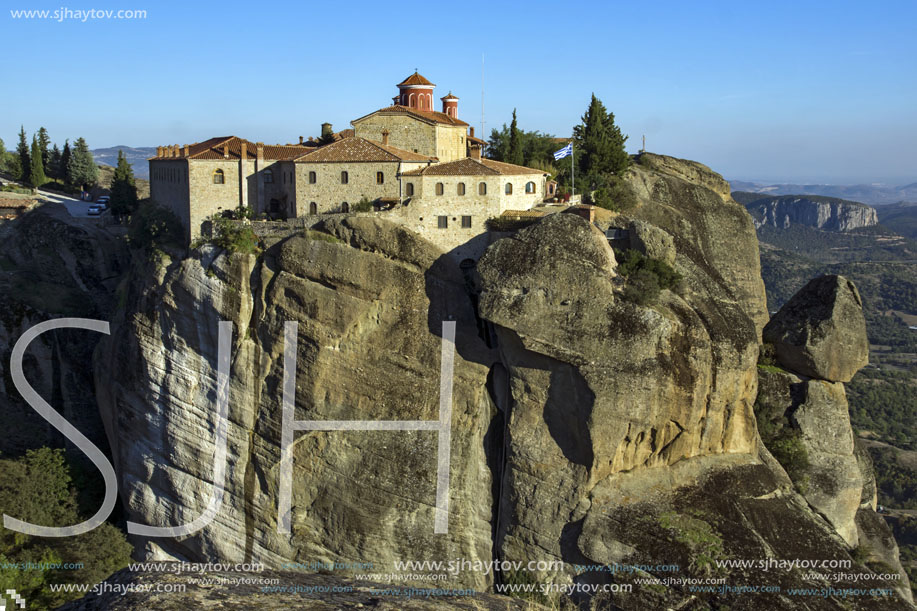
[483,133]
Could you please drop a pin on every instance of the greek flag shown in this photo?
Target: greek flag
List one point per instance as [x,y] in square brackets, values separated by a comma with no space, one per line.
[567,150]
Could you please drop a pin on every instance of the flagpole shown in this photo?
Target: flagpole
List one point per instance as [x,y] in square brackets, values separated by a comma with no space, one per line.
[572,173]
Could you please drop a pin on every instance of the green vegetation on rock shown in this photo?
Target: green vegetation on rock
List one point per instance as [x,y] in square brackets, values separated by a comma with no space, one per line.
[646,277]
[38,488]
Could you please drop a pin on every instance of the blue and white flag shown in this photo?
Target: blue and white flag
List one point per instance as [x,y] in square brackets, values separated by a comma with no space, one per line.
[567,150]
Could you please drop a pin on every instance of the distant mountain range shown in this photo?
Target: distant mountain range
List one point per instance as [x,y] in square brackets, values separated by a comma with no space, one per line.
[136,156]
[875,195]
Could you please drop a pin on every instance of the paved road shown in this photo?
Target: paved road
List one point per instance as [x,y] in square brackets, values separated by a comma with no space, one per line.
[76,208]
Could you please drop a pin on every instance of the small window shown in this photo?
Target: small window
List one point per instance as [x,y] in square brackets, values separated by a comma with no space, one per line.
[439,188]
[482,188]
[466,222]
[530,187]
[442,222]
[268,176]
[509,188]
[460,189]
[409,189]
[345,207]
[312,178]
[380,178]
[313,208]
[218,178]
[345,178]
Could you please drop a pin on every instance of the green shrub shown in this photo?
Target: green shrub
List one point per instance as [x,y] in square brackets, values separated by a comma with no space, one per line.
[154,227]
[38,488]
[701,539]
[235,236]
[364,205]
[645,277]
[789,450]
[613,193]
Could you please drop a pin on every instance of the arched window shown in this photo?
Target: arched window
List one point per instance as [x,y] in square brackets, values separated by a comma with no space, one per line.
[439,188]
[509,188]
[345,178]
[313,208]
[218,178]
[460,188]
[409,189]
[530,187]
[482,188]
[312,178]
[380,178]
[268,176]
[345,207]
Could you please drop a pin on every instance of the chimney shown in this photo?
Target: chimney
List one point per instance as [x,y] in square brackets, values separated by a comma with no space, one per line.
[175,150]
[385,137]
[300,140]
[326,130]
[226,151]
[243,153]
[475,152]
[259,148]
[159,151]
[187,150]
[472,131]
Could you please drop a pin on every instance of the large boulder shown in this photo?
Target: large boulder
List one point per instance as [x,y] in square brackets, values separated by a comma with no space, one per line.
[821,332]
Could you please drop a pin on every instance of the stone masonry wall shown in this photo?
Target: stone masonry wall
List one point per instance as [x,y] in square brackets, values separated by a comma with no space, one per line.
[406,133]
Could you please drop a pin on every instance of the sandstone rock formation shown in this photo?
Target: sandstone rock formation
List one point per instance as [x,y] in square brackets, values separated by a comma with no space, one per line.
[52,266]
[585,427]
[826,213]
[370,299]
[652,241]
[821,332]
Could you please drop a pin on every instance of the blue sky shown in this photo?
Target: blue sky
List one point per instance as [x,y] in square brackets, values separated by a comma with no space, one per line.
[776,91]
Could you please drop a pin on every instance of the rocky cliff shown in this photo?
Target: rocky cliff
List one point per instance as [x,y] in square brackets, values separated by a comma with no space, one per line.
[827,213]
[587,427]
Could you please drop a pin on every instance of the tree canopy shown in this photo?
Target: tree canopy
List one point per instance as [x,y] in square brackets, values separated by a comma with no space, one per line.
[25,163]
[82,170]
[123,188]
[37,171]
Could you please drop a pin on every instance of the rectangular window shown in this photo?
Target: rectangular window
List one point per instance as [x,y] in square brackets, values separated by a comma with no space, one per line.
[466,222]
[442,222]
[311,178]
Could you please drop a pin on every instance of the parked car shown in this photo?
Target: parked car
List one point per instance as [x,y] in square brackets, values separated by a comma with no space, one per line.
[94,210]
[103,200]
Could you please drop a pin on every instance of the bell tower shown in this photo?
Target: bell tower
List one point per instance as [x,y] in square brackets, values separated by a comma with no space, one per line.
[450,105]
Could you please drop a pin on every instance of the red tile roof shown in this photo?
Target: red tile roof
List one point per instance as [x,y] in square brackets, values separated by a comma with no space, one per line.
[415,79]
[359,150]
[449,97]
[213,149]
[473,167]
[429,116]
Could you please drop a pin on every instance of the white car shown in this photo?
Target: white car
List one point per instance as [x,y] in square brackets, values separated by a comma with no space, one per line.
[102,201]
[94,210]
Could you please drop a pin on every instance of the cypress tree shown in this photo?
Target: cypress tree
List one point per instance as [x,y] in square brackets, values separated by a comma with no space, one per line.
[37,172]
[514,154]
[123,188]
[53,168]
[44,142]
[600,144]
[82,167]
[64,168]
[25,167]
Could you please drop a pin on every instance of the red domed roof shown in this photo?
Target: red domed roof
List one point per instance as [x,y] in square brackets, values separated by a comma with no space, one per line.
[415,79]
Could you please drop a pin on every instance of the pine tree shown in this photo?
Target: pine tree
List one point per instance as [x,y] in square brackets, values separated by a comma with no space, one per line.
[37,171]
[54,159]
[514,154]
[65,163]
[25,167]
[123,189]
[82,167]
[44,142]
[600,144]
